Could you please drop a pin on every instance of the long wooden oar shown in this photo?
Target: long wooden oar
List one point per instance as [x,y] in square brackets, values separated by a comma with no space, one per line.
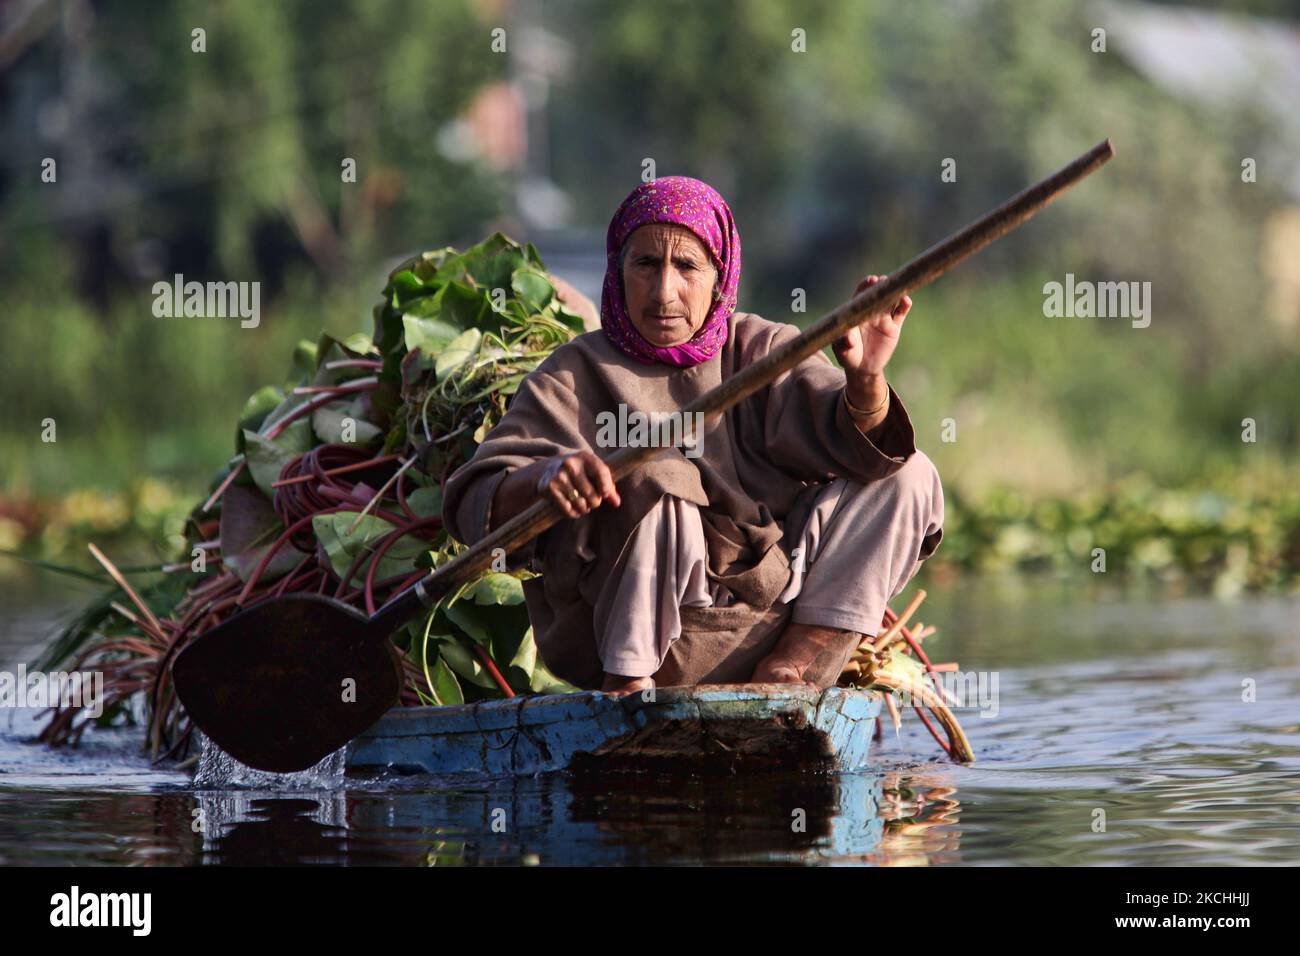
[290,680]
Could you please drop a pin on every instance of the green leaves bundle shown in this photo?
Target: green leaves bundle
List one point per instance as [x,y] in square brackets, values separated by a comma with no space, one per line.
[335,488]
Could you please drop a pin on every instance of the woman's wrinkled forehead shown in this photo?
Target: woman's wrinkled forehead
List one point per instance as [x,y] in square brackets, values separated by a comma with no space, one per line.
[673,235]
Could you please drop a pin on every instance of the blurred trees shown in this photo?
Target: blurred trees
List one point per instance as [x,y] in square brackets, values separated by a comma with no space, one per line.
[226,164]
[221,165]
[230,159]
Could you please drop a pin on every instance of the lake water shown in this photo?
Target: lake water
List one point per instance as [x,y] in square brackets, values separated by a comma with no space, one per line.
[1124,734]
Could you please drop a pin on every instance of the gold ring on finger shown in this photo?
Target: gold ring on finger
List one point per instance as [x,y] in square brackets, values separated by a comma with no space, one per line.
[573,494]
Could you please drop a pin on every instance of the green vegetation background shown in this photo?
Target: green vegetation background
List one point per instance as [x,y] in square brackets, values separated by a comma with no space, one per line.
[214,164]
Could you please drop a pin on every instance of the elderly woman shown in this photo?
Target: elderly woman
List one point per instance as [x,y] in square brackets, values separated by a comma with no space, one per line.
[767,552]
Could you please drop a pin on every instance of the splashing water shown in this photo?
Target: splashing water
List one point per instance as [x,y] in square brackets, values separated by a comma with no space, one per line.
[231,794]
[218,770]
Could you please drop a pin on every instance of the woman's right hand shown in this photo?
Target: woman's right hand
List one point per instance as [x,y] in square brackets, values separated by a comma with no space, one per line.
[578,483]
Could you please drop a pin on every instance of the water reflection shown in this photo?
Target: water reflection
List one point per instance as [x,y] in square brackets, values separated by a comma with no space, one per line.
[556,819]
[921,819]
[885,819]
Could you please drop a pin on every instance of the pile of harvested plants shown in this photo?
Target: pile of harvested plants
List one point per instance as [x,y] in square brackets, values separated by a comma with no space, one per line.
[335,488]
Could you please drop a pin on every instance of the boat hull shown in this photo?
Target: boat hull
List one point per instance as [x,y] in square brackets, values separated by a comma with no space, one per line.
[723,727]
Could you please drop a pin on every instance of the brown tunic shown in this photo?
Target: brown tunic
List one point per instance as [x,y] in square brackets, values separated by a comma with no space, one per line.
[760,467]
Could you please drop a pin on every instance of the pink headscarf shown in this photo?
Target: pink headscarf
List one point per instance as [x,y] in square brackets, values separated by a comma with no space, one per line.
[698,207]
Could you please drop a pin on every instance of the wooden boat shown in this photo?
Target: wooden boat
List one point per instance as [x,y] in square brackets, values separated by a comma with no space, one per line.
[725,727]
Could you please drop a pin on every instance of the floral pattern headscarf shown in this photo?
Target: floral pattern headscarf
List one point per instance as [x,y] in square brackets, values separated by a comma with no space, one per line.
[698,207]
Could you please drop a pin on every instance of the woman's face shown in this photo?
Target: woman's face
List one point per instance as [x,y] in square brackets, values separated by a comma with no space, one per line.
[668,281]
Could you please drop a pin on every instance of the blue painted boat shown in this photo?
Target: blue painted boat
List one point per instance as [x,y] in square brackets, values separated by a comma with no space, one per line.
[726,727]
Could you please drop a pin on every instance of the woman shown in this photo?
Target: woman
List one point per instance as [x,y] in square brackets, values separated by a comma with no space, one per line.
[768,553]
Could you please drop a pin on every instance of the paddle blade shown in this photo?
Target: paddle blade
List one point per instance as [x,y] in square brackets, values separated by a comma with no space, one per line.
[285,683]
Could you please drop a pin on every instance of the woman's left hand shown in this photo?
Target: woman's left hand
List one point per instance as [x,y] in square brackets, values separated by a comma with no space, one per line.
[864,351]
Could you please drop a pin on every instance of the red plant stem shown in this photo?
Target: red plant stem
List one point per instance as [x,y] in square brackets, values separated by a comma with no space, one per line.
[219,581]
[221,488]
[401,585]
[291,416]
[305,580]
[401,497]
[128,645]
[344,497]
[916,648]
[356,385]
[342,470]
[384,543]
[274,549]
[382,550]
[358,560]
[379,495]
[931,670]
[486,659]
[291,576]
[386,585]
[930,727]
[924,659]
[233,602]
[204,610]
[406,582]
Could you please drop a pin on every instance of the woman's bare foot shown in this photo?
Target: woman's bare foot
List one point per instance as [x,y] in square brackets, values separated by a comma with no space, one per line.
[618,685]
[799,647]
